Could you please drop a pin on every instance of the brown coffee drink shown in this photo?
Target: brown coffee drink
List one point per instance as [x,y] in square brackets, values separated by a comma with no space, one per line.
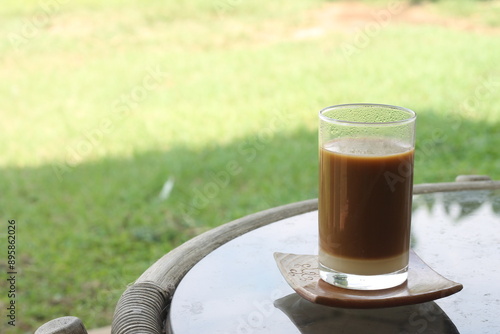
[365,205]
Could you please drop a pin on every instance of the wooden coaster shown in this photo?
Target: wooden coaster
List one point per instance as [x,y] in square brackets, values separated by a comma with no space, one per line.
[423,285]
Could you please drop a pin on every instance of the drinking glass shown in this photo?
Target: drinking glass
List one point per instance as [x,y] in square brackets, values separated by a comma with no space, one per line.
[365,194]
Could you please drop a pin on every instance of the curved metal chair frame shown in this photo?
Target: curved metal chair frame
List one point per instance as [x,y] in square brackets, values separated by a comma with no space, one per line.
[143,307]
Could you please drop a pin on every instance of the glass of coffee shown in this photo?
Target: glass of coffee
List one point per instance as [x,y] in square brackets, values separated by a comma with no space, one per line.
[365,194]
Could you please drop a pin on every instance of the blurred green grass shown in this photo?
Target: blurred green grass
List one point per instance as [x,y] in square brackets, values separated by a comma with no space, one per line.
[105,102]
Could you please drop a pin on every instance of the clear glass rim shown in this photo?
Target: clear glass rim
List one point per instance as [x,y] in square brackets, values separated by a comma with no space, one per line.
[411,114]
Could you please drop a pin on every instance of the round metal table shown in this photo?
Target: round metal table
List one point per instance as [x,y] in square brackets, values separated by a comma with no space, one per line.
[238,289]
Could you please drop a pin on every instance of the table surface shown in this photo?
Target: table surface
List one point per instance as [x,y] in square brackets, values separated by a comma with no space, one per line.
[238,288]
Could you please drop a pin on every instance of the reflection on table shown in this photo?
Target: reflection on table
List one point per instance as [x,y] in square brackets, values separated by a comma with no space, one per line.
[318,319]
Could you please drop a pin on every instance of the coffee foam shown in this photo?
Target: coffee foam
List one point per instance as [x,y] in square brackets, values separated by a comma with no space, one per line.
[367,147]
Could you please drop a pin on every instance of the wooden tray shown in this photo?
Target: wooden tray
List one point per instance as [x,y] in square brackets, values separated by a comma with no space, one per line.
[423,285]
